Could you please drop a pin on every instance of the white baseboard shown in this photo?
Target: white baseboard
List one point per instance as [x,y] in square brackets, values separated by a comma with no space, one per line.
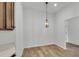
[63,47]
[38,45]
[45,45]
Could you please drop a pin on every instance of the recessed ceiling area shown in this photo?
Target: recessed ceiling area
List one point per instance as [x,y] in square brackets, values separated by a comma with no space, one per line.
[52,6]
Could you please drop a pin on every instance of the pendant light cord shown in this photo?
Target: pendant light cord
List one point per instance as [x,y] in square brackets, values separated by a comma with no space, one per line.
[46,11]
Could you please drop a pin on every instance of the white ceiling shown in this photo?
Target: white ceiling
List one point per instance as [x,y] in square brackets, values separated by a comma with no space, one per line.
[41,6]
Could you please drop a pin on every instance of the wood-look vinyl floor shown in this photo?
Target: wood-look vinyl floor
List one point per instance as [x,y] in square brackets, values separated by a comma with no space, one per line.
[51,51]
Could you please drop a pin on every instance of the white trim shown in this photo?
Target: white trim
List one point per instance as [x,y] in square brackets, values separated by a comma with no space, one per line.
[21,52]
[39,45]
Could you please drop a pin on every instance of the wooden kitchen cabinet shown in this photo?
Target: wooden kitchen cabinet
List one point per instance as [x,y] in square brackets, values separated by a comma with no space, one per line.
[6,16]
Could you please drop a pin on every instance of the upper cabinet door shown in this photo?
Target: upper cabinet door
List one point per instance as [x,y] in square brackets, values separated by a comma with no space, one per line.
[10,15]
[2,14]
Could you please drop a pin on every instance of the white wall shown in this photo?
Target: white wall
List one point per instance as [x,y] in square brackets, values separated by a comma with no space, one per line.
[7,37]
[60,27]
[64,14]
[19,28]
[73,30]
[35,33]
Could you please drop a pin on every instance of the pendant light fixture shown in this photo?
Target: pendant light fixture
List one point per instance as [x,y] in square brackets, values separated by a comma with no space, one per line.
[46,20]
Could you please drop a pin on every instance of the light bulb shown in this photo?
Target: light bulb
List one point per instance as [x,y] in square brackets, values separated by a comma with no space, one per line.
[55,4]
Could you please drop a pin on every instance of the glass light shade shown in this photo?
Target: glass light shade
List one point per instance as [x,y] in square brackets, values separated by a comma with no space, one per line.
[46,24]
